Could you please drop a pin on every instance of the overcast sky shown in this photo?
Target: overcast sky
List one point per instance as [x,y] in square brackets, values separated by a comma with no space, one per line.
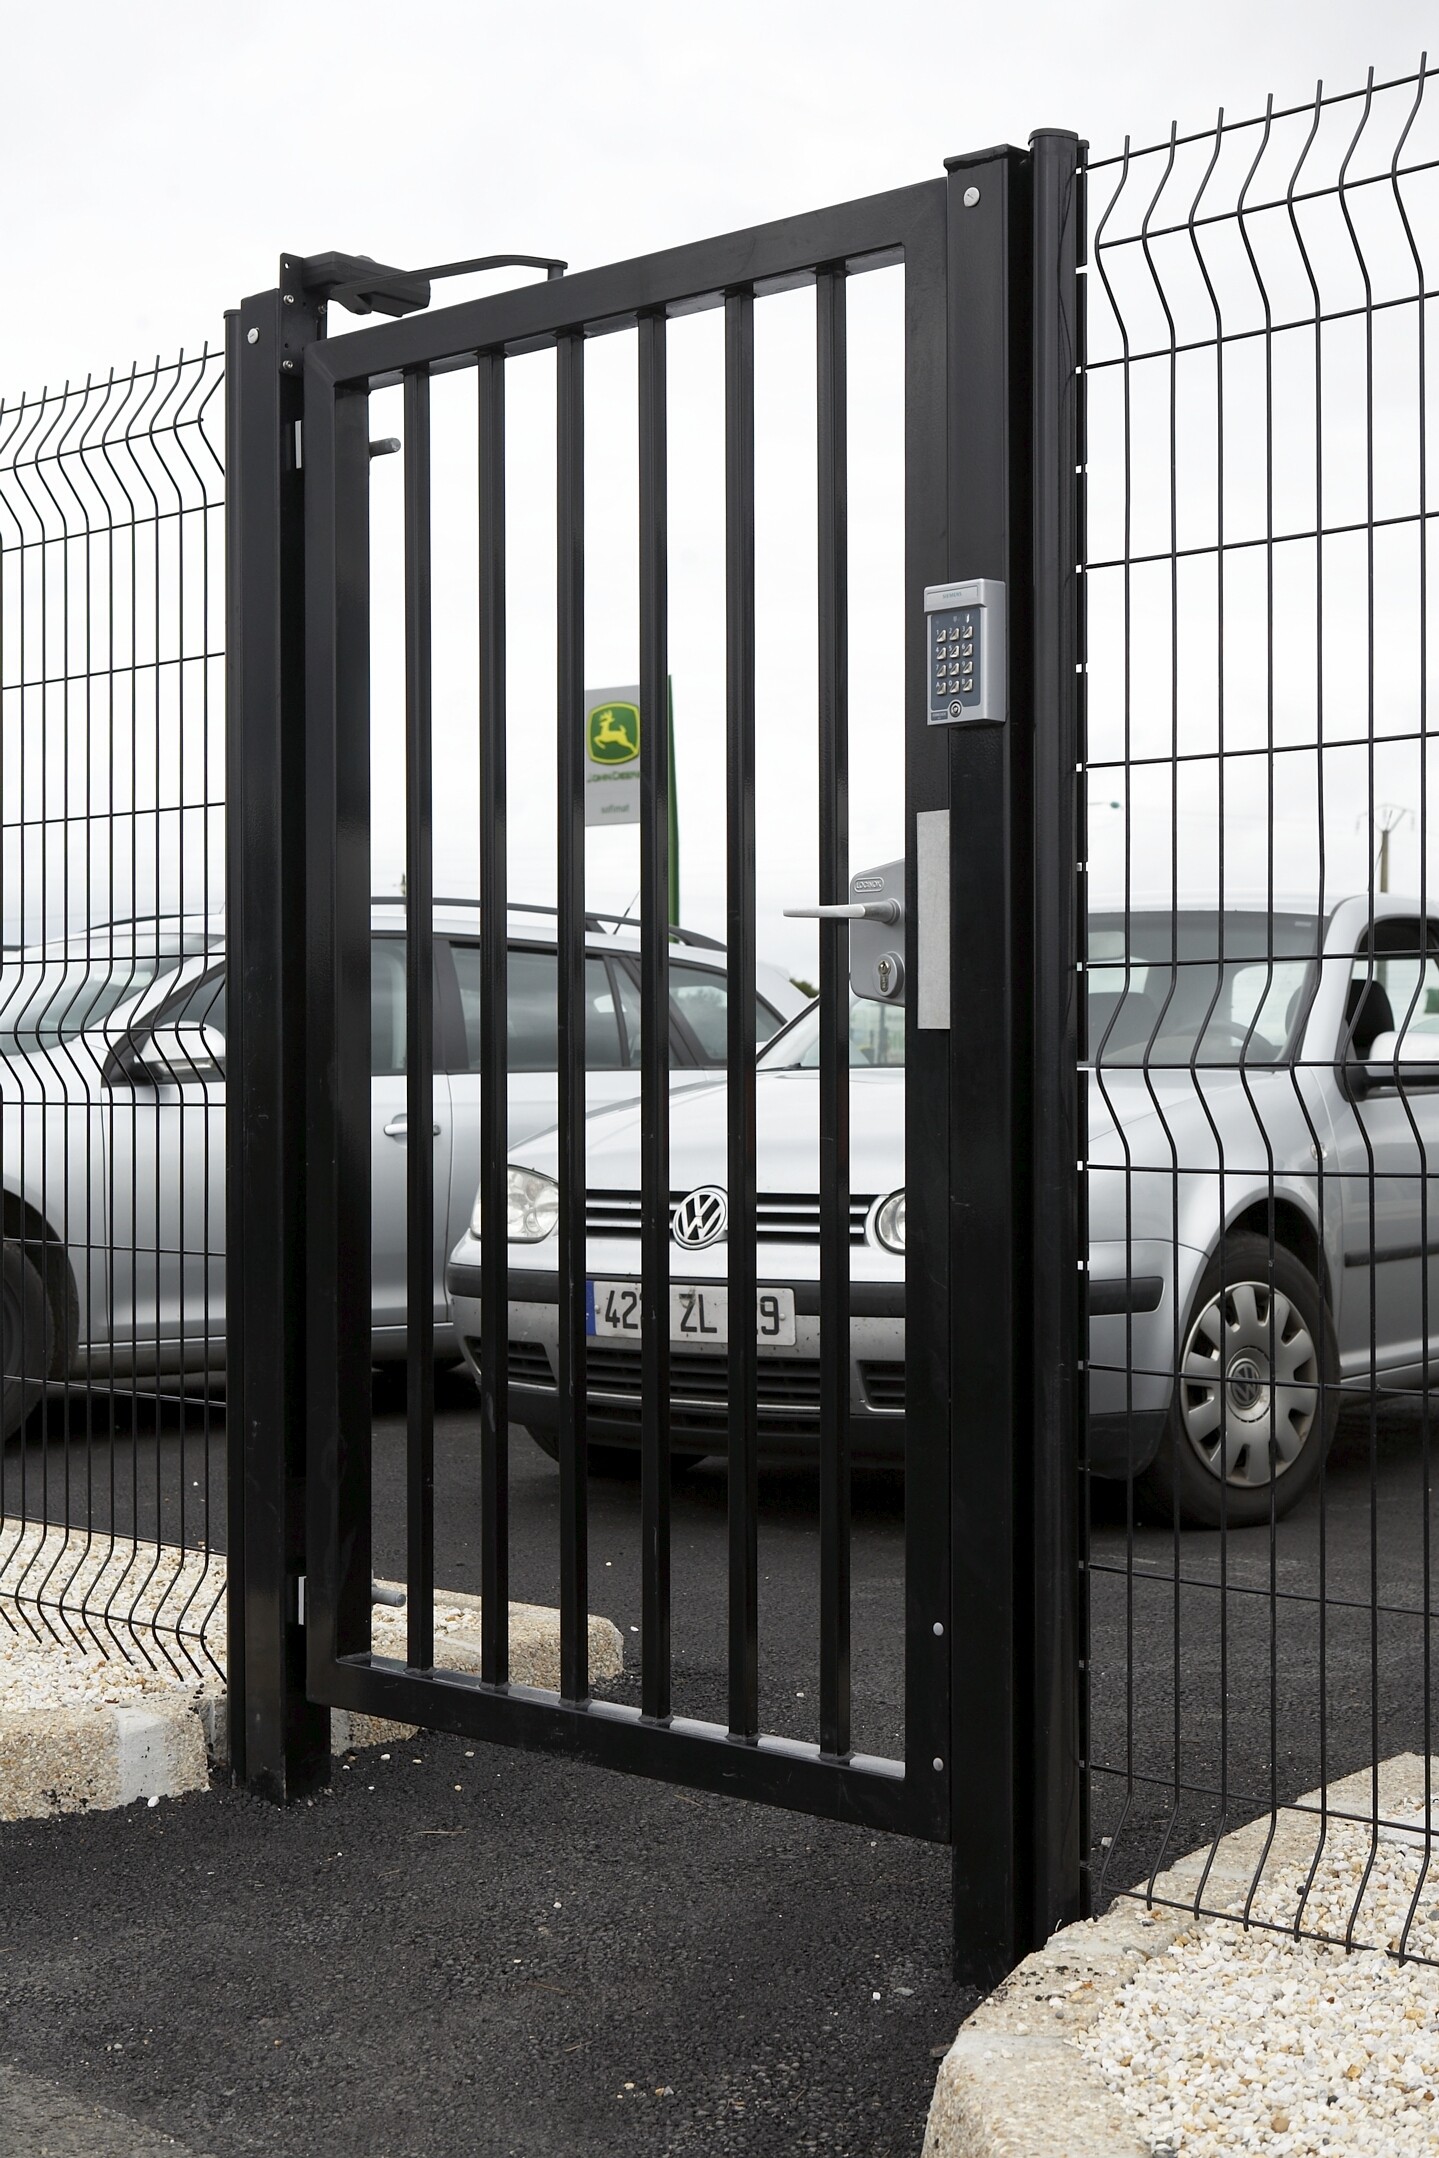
[154,160]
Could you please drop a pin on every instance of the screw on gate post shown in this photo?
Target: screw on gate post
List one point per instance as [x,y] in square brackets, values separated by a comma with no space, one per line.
[970,197]
[252,337]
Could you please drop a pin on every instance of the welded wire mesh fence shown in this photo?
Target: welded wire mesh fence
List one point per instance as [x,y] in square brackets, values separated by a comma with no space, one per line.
[1263,1009]
[112,1009]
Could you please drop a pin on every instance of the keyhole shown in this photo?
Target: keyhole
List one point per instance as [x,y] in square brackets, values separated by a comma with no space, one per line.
[886,973]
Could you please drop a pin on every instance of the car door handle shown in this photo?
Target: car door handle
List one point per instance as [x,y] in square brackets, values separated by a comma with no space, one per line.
[399,1127]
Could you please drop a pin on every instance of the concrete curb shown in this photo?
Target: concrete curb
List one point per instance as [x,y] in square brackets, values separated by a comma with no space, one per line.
[1014,2086]
[88,1759]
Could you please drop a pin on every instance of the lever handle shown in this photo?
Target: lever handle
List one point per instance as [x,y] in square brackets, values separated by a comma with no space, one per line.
[871,910]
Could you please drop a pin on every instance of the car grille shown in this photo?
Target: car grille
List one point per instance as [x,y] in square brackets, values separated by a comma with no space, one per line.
[781,1217]
[529,1362]
[883,1385]
[699,1385]
[784,1382]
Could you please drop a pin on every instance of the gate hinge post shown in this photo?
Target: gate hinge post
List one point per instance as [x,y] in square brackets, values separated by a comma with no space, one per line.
[1052,1544]
[279,1739]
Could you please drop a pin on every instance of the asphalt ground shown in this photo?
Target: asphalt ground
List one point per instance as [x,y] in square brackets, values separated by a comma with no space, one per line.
[464,1949]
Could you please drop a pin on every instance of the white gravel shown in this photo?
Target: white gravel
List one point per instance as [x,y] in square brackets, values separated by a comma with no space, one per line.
[1236,2040]
[94,1620]
[42,1670]
[119,1596]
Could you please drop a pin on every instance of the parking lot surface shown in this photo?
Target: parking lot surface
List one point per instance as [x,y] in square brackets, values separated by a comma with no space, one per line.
[466,1950]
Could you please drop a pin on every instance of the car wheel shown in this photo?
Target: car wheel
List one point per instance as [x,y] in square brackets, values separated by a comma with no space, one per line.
[26,1337]
[1256,1398]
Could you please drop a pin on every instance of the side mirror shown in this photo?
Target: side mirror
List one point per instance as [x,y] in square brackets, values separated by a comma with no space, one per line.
[1392,1059]
[189,1053]
[875,912]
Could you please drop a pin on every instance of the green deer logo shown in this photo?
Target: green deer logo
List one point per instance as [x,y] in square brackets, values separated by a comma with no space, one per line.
[614,734]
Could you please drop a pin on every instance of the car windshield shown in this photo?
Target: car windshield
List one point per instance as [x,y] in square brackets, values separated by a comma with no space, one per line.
[51,1000]
[876,1039]
[1199,987]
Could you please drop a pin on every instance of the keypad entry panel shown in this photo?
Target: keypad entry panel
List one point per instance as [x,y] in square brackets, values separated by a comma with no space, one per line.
[964,625]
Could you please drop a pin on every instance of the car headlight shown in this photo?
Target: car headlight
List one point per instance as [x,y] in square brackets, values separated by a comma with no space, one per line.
[889,1222]
[532,1207]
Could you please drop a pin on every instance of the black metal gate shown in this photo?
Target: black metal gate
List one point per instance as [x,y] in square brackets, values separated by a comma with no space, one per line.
[990,1759]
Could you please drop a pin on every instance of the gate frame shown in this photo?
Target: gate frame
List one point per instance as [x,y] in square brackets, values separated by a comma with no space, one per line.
[1006,505]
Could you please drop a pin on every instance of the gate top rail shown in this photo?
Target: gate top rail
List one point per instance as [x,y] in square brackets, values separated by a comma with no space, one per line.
[776,257]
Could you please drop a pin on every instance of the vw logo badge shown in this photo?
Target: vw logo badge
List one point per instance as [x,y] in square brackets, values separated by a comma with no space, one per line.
[700,1218]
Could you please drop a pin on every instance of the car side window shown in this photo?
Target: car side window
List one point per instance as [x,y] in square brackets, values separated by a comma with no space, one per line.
[387,1007]
[533,1010]
[701,996]
[1394,983]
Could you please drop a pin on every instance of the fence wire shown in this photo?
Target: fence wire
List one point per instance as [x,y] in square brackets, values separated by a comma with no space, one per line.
[112,1012]
[1262,978]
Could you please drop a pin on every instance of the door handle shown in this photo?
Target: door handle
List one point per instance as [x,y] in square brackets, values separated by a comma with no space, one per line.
[399,1127]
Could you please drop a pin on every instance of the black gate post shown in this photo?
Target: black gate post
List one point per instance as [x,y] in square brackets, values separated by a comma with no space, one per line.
[990,1223]
[1060,1837]
[279,1741]
[1017,1788]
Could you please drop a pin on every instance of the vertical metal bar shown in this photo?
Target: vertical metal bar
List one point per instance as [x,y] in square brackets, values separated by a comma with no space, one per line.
[494,878]
[932,1412]
[279,1742]
[419,1041]
[740,1015]
[570,849]
[337,1012]
[988,1078]
[1057,1854]
[832,414]
[654,1027]
[1084,1581]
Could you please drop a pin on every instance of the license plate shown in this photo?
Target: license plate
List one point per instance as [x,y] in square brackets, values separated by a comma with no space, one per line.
[697,1315]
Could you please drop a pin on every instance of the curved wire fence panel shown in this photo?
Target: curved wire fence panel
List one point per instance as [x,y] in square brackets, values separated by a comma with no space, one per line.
[112,1013]
[1262,976]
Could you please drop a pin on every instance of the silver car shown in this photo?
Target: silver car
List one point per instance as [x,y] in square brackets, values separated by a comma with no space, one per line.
[112,1121]
[787,1165]
[1264,1109]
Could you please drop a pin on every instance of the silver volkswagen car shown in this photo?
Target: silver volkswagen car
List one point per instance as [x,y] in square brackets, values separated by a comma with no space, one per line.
[112,1121]
[1263,1116]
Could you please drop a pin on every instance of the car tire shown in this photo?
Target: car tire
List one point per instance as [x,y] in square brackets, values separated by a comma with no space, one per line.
[1248,1299]
[27,1337]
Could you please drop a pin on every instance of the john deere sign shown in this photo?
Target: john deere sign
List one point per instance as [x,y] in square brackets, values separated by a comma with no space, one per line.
[614,736]
[612,756]
[612,767]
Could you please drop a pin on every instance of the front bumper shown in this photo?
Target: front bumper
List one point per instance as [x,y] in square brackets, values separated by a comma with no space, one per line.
[1132,1288]
[789,1379]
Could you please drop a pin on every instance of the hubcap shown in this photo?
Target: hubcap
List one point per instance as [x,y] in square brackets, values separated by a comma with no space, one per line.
[1249,1384]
